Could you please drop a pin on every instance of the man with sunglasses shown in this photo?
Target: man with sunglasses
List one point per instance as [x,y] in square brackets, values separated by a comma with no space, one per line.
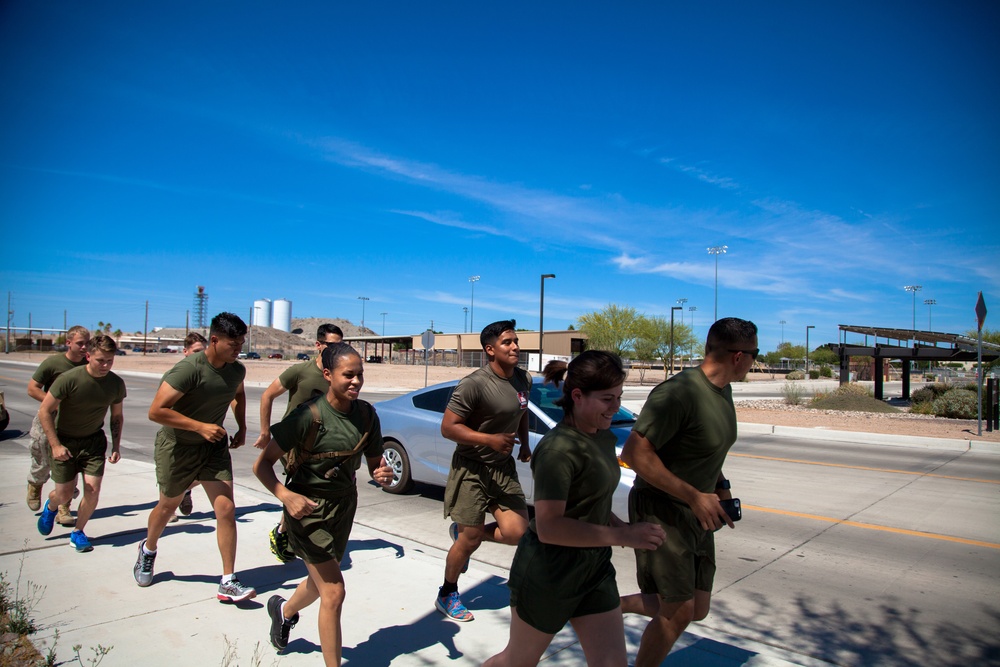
[677,448]
[303,380]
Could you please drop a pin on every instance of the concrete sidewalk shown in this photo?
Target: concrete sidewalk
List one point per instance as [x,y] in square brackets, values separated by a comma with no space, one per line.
[91,599]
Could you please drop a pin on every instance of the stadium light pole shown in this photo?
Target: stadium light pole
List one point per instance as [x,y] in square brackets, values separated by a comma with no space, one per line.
[363,299]
[782,323]
[914,289]
[541,317]
[672,309]
[929,302]
[717,250]
[807,347]
[383,323]
[465,327]
[472,302]
[692,309]
[682,302]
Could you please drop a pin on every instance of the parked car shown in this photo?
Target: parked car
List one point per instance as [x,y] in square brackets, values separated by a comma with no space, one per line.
[416,451]
[302,356]
[253,355]
[275,355]
[120,352]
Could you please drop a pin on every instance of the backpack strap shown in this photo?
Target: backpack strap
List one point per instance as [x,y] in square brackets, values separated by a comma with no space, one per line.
[305,454]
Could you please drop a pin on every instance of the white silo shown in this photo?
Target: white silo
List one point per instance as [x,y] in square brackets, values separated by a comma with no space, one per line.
[281,314]
[262,312]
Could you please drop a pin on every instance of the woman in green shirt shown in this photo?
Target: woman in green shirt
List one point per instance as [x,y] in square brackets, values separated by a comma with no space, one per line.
[562,569]
[321,495]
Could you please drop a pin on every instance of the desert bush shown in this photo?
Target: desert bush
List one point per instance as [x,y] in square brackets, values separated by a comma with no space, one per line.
[796,375]
[813,374]
[956,404]
[853,389]
[924,395]
[922,408]
[793,393]
[826,372]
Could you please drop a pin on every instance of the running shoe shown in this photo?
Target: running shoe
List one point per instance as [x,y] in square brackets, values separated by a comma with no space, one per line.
[452,607]
[279,624]
[46,519]
[79,541]
[187,505]
[234,591]
[453,531]
[143,568]
[279,546]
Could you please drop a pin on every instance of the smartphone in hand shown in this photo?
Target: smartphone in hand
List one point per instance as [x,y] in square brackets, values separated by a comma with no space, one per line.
[732,508]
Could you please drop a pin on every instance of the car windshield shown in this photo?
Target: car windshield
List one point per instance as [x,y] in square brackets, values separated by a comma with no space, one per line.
[545,396]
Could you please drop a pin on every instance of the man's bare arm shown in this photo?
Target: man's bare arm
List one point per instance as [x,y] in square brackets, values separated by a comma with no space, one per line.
[273,391]
[36,390]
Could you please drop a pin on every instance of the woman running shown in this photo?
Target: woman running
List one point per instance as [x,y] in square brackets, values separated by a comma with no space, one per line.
[326,437]
[562,569]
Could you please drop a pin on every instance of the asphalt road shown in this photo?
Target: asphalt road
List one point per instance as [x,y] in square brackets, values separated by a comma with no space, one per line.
[855,554]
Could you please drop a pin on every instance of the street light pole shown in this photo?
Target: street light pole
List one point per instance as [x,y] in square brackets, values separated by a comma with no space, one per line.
[914,289]
[541,317]
[692,309]
[782,323]
[465,327]
[807,348]
[363,299]
[672,309]
[717,250]
[682,302]
[929,302]
[472,302]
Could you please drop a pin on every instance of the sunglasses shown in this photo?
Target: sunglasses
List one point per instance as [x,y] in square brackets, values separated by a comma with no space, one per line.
[753,353]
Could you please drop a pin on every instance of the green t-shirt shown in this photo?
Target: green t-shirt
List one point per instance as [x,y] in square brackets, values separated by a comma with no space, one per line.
[692,424]
[84,401]
[303,381]
[52,367]
[490,404]
[580,468]
[340,432]
[207,390]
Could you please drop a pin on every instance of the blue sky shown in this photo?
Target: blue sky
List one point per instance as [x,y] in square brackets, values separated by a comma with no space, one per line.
[321,151]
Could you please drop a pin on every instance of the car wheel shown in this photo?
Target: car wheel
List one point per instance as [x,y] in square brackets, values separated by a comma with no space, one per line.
[395,456]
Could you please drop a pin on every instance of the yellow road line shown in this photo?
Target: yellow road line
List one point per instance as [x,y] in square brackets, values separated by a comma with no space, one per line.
[844,465]
[873,526]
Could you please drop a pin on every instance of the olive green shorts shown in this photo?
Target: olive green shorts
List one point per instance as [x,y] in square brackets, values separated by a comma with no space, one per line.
[322,535]
[685,562]
[178,465]
[87,456]
[475,488]
[551,584]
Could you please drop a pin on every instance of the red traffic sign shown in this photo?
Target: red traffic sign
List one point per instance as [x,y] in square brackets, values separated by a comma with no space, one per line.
[981,311]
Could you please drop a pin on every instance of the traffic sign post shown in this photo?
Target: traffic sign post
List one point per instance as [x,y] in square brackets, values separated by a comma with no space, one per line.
[980,318]
[427,340]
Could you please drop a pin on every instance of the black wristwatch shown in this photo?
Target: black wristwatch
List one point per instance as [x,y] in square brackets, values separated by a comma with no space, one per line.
[724,485]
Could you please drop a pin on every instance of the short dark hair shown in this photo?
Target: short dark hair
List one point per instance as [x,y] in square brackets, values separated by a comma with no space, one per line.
[192,338]
[727,333]
[334,352]
[493,330]
[229,325]
[326,329]
[102,343]
[593,370]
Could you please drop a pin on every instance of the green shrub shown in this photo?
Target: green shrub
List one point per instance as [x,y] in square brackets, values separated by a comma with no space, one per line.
[826,372]
[796,375]
[922,408]
[923,396]
[854,389]
[813,374]
[956,404]
[793,393]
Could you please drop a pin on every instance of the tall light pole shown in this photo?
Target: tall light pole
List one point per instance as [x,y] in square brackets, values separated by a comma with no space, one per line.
[782,323]
[363,299]
[465,327]
[682,302]
[807,347]
[694,340]
[929,302]
[541,317]
[472,302]
[717,250]
[914,289]
[672,309]
[383,323]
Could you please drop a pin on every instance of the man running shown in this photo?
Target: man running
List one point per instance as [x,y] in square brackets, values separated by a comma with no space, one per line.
[303,381]
[79,399]
[77,338]
[191,406]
